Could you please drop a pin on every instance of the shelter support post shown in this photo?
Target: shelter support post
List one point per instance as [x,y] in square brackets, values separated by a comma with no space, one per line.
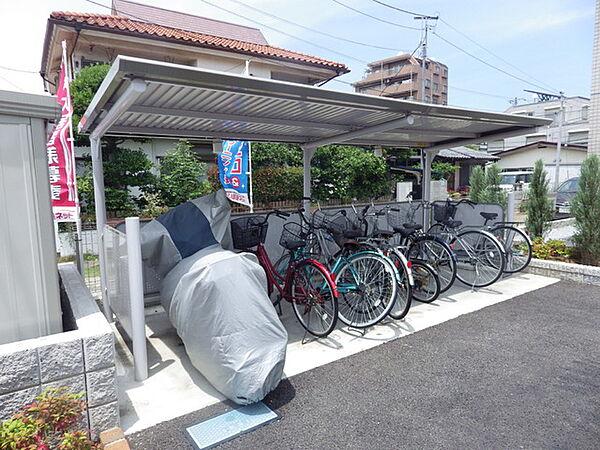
[308,153]
[136,297]
[99,202]
[427,157]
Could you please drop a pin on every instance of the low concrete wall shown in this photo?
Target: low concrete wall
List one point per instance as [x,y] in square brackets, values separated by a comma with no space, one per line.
[82,359]
[565,271]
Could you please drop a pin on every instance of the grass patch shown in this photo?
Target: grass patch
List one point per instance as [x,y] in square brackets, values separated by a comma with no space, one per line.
[91,271]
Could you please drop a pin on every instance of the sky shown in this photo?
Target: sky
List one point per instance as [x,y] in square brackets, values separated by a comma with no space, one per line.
[541,44]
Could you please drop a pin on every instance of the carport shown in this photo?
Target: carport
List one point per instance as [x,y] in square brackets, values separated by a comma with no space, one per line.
[144,98]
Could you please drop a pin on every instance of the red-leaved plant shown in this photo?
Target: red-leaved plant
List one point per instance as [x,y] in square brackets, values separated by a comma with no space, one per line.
[50,422]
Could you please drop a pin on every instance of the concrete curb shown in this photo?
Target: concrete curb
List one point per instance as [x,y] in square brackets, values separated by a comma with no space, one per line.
[565,271]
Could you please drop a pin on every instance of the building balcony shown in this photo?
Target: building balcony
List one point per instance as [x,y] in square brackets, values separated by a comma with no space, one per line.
[387,74]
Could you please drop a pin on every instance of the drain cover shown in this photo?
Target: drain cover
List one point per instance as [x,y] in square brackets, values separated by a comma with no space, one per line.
[225,427]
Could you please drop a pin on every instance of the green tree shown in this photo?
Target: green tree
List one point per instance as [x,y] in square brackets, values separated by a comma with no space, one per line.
[539,206]
[477,184]
[266,154]
[585,207]
[123,168]
[182,176]
[492,193]
[446,169]
[348,172]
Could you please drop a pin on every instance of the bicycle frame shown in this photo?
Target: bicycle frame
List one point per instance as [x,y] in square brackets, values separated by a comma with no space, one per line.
[282,283]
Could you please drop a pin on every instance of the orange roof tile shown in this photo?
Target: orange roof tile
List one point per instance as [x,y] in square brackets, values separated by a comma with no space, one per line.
[124,24]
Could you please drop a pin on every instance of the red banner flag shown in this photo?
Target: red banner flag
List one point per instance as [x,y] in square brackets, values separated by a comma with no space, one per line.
[61,156]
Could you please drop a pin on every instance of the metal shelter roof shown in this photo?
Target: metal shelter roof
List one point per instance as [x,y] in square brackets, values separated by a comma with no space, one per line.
[155,99]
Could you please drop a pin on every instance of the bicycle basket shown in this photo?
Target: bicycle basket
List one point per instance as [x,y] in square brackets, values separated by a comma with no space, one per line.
[248,232]
[395,219]
[320,220]
[294,235]
[445,212]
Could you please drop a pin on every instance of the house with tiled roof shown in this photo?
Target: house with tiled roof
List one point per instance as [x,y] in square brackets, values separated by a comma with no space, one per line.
[134,29]
[144,31]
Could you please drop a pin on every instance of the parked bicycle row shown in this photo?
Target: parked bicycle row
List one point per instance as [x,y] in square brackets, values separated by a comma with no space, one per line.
[346,265]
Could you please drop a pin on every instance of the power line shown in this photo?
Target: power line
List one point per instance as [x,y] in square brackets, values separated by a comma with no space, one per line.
[485,62]
[375,17]
[400,69]
[399,9]
[479,92]
[11,83]
[12,69]
[495,55]
[312,29]
[283,32]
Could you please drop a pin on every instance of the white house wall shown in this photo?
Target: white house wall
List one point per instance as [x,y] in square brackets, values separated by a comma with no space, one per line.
[570,161]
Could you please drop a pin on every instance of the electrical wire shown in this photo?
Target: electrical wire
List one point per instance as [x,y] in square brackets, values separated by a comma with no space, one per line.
[399,9]
[496,56]
[485,62]
[312,29]
[375,17]
[400,69]
[12,69]
[282,32]
[479,92]
[11,83]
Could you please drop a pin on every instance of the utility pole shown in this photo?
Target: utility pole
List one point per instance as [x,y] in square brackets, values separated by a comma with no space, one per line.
[425,31]
[544,97]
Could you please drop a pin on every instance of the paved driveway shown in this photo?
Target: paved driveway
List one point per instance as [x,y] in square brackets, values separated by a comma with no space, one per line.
[524,373]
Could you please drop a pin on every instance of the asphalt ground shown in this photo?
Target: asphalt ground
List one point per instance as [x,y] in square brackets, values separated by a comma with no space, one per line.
[524,373]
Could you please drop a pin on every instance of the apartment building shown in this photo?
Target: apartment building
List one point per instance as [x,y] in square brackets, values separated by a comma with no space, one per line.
[575,127]
[401,77]
[135,29]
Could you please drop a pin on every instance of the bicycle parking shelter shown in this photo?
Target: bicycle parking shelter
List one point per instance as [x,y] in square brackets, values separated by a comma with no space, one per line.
[152,99]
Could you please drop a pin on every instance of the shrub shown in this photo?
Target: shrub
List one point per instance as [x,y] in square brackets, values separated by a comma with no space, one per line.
[492,192]
[552,249]
[585,207]
[272,184]
[50,422]
[539,207]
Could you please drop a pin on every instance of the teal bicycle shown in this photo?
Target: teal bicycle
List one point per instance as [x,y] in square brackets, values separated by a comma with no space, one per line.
[366,280]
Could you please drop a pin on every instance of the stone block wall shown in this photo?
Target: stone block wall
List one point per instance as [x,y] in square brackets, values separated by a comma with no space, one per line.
[565,271]
[82,359]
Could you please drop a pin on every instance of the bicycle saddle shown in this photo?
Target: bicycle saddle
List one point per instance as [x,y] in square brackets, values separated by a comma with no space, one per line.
[488,216]
[353,234]
[293,245]
[451,223]
[382,233]
[404,232]
[414,226]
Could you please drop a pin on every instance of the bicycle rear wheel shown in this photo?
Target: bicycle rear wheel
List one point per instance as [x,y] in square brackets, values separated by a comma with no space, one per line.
[404,287]
[438,254]
[313,299]
[427,283]
[517,246]
[480,258]
[367,287]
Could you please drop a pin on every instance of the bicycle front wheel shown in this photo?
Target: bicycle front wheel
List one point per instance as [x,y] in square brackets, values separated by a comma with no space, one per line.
[438,254]
[480,258]
[366,285]
[427,283]
[313,299]
[517,246]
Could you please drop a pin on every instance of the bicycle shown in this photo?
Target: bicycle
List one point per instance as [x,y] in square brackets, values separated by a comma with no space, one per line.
[423,246]
[305,283]
[480,257]
[365,280]
[516,243]
[425,283]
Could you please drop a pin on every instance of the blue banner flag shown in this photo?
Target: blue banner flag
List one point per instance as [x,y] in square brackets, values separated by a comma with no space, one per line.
[234,171]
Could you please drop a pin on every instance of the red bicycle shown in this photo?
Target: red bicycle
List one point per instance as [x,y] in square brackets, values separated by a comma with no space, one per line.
[305,283]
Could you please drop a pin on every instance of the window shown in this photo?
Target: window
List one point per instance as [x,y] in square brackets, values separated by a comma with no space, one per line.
[437,68]
[434,100]
[427,99]
[436,87]
[427,83]
[445,72]
[584,112]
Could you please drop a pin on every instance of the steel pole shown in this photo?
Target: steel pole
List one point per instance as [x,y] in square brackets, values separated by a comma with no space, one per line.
[561,115]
